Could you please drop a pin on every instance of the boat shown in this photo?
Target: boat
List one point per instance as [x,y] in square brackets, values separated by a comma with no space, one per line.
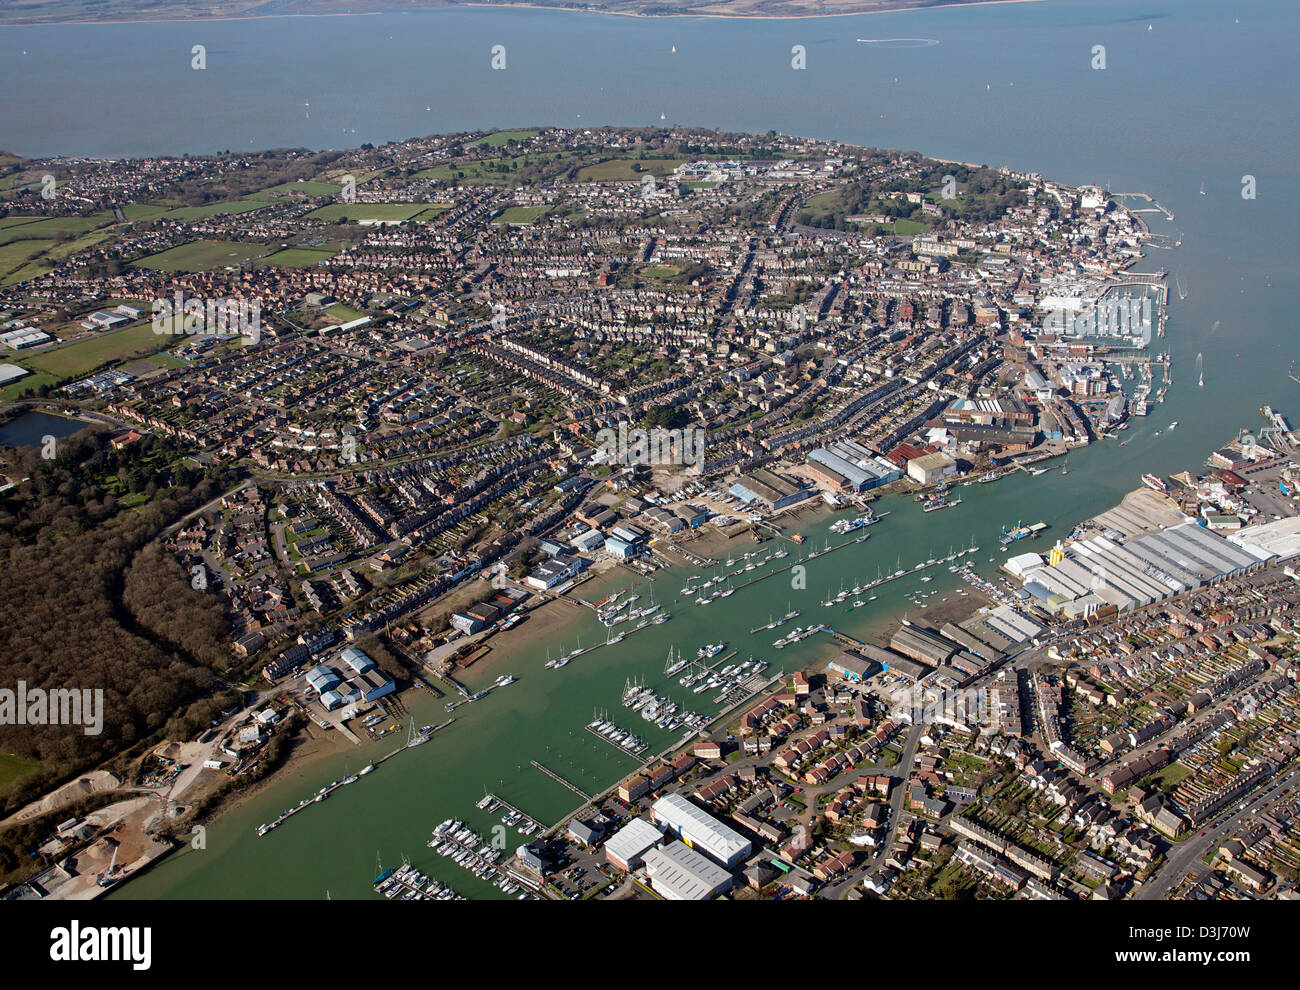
[1155,482]
[368,768]
[672,666]
[1173,425]
[711,650]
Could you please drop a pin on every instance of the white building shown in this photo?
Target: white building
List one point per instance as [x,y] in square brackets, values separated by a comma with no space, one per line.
[700,830]
[678,873]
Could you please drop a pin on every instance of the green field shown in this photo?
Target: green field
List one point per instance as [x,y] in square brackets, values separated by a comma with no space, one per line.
[13,768]
[906,228]
[144,211]
[226,208]
[629,169]
[344,314]
[15,254]
[368,211]
[23,384]
[822,205]
[202,256]
[300,257]
[499,139]
[435,209]
[520,214]
[83,357]
[42,229]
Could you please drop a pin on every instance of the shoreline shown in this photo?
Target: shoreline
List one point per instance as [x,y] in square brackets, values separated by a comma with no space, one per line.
[945,5]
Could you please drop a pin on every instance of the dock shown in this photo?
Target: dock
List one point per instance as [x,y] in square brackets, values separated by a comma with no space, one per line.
[492,802]
[556,777]
[618,745]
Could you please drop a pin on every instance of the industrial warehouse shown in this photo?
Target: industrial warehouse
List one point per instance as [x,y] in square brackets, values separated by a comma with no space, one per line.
[701,830]
[1105,570]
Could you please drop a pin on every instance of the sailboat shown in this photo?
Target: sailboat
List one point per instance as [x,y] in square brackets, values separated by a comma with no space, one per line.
[672,666]
[414,738]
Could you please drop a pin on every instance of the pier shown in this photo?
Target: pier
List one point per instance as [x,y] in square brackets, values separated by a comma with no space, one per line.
[556,777]
[492,802]
[637,751]
[329,789]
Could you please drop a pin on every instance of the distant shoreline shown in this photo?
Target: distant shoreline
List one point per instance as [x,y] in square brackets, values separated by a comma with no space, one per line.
[505,5]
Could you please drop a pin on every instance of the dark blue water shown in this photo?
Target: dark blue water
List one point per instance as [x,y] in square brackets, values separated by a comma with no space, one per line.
[30,428]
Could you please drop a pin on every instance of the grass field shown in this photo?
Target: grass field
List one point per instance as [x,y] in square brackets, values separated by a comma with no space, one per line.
[144,211]
[230,207]
[822,205]
[202,256]
[80,358]
[300,257]
[13,768]
[499,139]
[23,384]
[434,210]
[368,211]
[16,253]
[906,228]
[43,229]
[629,169]
[520,214]
[344,314]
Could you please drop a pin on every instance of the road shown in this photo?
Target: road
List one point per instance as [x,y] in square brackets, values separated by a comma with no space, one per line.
[903,771]
[1186,856]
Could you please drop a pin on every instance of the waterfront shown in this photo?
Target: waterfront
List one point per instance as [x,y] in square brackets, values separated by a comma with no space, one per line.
[1237,260]
[333,845]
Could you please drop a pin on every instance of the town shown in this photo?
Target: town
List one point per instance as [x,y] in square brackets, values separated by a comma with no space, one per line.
[464,375]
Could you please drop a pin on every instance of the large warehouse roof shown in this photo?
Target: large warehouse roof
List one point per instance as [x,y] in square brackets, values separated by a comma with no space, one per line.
[633,840]
[1140,571]
[704,831]
[681,874]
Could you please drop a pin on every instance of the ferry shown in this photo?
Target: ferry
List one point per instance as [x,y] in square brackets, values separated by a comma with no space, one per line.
[1155,482]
